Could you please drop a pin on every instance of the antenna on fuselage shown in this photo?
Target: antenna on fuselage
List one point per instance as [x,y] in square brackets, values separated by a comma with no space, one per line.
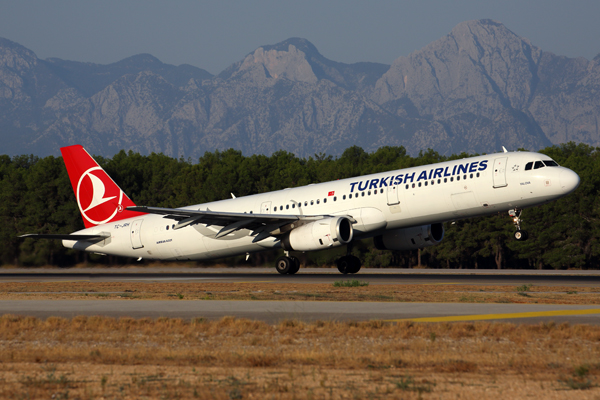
[504,149]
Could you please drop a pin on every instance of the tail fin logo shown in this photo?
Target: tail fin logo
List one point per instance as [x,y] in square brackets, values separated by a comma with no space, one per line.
[96,205]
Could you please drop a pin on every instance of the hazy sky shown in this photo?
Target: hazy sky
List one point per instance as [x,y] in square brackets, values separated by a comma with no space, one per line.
[214,34]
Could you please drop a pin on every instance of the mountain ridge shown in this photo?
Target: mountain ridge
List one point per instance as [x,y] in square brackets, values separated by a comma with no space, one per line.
[476,89]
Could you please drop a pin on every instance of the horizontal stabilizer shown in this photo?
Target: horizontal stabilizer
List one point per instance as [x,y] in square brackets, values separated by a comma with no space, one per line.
[65,236]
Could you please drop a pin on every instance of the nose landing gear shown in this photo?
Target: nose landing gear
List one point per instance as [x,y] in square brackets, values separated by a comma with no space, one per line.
[516,216]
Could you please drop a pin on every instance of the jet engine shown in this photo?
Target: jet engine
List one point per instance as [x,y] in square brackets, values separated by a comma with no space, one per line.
[413,238]
[320,234]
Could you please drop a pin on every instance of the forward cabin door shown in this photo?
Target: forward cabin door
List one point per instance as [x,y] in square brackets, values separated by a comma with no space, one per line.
[392,195]
[500,172]
[136,234]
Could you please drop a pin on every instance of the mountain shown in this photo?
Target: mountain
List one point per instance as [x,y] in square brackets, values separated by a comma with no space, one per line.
[478,88]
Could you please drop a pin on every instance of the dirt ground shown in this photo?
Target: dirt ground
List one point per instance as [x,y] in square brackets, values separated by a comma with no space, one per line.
[304,291]
[97,357]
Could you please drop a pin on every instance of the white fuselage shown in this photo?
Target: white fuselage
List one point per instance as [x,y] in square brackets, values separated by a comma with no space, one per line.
[396,199]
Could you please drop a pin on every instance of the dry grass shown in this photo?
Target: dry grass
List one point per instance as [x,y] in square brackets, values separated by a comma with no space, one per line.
[290,291]
[91,357]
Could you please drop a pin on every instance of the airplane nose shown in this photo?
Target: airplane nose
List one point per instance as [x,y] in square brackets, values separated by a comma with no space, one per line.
[569,180]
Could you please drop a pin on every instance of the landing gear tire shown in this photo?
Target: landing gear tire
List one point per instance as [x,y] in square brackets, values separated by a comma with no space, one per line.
[283,265]
[287,265]
[295,266]
[349,264]
[521,235]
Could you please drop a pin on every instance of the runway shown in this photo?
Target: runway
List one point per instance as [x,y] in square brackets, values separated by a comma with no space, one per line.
[274,311]
[394,276]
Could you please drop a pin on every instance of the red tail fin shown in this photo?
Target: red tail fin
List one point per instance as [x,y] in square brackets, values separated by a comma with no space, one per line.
[99,198]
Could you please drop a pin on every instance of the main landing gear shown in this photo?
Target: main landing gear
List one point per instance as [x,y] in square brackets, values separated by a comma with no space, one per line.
[349,264]
[287,265]
[516,216]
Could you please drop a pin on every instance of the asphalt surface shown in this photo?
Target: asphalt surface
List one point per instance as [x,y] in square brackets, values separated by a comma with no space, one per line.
[307,275]
[274,311]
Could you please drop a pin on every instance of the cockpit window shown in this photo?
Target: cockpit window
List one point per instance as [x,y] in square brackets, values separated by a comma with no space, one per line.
[538,164]
[528,166]
[550,163]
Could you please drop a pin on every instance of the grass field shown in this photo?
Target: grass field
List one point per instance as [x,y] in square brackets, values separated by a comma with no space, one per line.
[276,291]
[97,357]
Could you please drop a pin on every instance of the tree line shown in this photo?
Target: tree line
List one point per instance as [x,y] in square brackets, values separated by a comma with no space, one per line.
[36,197]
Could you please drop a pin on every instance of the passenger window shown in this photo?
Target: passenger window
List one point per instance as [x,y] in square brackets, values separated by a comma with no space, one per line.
[324,201]
[538,165]
[280,208]
[458,178]
[287,206]
[344,197]
[477,175]
[381,191]
[363,194]
[369,193]
[334,198]
[528,166]
[318,201]
[451,179]
[445,180]
[426,183]
[350,196]
[419,184]
[439,181]
[407,186]
[413,185]
[293,205]
[312,202]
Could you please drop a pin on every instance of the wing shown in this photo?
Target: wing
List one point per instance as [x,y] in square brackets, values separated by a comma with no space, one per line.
[262,225]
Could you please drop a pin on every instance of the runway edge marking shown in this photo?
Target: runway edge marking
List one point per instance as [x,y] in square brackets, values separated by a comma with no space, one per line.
[482,317]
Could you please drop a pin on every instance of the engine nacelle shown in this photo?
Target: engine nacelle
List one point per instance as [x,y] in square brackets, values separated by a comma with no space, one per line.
[320,234]
[414,238]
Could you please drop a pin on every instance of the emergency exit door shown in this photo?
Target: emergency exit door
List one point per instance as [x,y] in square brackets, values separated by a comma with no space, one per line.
[392,195]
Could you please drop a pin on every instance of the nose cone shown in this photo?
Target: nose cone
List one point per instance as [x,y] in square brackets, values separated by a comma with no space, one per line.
[569,180]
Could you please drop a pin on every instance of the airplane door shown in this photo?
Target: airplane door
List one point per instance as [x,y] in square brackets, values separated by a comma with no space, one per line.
[500,172]
[136,234]
[265,208]
[392,195]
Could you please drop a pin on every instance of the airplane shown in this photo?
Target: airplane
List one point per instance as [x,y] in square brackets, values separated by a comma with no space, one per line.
[400,210]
